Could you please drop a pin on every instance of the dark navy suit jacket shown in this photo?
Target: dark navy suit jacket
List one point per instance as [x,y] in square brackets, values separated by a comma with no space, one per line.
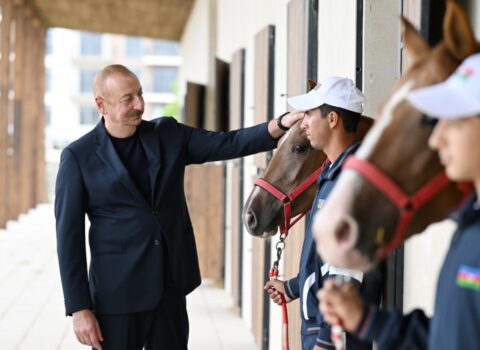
[126,228]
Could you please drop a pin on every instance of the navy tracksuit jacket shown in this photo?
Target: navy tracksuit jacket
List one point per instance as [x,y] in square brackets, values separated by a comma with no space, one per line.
[456,320]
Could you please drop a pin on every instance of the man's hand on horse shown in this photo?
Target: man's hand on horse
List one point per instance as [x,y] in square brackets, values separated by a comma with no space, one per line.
[278,126]
[87,329]
[340,303]
[275,289]
[291,118]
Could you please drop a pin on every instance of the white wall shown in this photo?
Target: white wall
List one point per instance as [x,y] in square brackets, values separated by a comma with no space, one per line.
[336,38]
[194,47]
[239,21]
[381,50]
[424,255]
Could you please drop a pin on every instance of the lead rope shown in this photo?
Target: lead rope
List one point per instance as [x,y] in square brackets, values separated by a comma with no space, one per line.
[280,246]
[338,334]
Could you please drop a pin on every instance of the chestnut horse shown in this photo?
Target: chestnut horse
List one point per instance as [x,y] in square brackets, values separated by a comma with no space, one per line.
[395,185]
[293,162]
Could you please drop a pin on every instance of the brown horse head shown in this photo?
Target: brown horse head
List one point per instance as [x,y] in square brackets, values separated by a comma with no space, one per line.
[360,221]
[293,161]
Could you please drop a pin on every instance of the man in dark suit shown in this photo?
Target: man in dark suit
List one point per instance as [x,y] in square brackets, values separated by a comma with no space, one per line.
[127,176]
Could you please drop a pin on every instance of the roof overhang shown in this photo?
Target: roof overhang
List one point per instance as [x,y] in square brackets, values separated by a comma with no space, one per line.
[163,19]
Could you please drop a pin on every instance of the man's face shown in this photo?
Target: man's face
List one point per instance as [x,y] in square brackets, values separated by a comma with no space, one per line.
[123,104]
[316,128]
[458,145]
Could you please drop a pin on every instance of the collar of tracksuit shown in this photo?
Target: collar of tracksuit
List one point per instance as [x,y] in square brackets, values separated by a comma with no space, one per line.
[468,211]
[332,169]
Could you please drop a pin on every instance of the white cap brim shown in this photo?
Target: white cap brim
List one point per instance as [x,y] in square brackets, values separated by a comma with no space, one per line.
[304,102]
[443,101]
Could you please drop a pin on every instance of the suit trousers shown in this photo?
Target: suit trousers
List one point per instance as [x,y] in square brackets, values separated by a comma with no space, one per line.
[164,328]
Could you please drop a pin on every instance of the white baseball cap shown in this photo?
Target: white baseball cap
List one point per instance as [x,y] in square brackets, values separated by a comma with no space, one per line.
[334,91]
[456,97]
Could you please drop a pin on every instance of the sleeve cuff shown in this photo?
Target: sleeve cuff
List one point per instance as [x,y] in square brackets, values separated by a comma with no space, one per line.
[365,321]
[324,339]
[372,323]
[71,308]
[288,290]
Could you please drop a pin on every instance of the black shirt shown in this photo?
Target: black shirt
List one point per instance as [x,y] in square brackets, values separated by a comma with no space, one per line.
[133,157]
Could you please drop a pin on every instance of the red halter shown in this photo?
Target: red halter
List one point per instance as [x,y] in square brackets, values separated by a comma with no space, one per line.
[286,200]
[408,205]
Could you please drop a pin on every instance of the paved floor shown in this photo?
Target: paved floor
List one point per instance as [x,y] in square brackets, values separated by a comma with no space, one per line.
[31,301]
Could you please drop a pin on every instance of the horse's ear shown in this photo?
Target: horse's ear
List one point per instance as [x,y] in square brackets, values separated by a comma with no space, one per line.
[364,125]
[413,42]
[311,84]
[457,31]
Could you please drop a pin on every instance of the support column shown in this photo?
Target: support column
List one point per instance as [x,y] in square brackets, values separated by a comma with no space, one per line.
[15,111]
[25,96]
[39,194]
[6,15]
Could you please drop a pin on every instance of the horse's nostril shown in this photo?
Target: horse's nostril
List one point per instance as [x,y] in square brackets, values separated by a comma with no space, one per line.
[342,231]
[251,219]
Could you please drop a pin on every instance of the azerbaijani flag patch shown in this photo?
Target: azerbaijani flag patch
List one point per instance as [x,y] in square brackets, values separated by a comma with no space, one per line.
[468,277]
[320,203]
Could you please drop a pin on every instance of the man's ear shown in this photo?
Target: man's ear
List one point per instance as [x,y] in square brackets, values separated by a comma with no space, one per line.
[333,119]
[100,104]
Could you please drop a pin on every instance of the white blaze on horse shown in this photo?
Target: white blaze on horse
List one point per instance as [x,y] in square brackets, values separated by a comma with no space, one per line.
[395,185]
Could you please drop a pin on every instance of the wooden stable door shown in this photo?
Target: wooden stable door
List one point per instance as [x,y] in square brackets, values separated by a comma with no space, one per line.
[263,109]
[204,190]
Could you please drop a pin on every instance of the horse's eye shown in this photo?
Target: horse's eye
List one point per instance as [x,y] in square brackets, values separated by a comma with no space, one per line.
[428,121]
[299,148]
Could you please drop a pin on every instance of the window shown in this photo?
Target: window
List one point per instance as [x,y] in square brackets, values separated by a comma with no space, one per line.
[164,79]
[157,110]
[48,79]
[133,46]
[86,80]
[165,47]
[90,44]
[48,42]
[89,115]
[138,73]
[48,115]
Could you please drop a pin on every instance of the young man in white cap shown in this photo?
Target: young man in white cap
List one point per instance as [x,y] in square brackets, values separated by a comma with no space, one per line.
[332,112]
[456,319]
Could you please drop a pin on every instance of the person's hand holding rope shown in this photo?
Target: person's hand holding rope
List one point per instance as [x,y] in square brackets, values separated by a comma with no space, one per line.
[341,304]
[275,289]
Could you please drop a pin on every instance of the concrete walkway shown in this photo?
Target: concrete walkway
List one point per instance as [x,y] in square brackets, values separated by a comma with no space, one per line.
[31,301]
